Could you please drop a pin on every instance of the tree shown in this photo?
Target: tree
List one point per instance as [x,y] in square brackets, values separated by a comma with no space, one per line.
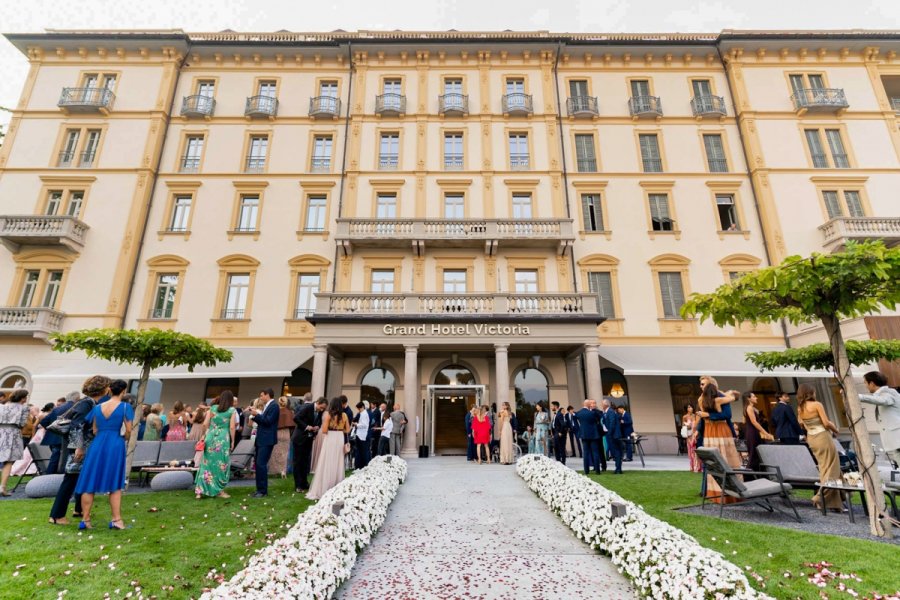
[149,348]
[862,279]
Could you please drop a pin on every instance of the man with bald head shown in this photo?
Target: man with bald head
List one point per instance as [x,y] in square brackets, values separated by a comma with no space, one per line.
[590,430]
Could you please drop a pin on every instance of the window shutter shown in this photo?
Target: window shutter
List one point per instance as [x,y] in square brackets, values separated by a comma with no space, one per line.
[815,149]
[797,83]
[836,144]
[816,82]
[584,147]
[659,207]
[832,205]
[600,283]
[714,149]
[672,292]
[591,212]
[854,204]
[649,146]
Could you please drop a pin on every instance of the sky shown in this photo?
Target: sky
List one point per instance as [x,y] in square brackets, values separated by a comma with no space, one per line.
[522,15]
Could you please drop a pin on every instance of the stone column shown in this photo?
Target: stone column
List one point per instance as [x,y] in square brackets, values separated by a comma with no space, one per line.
[501,394]
[320,367]
[411,399]
[574,380]
[592,372]
[335,382]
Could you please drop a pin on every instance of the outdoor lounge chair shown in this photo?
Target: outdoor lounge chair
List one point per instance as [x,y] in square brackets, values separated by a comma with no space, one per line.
[758,491]
[795,464]
[242,457]
[177,451]
[146,454]
[40,458]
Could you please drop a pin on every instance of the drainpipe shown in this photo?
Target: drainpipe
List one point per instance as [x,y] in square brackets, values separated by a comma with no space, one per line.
[343,159]
[784,331]
[562,148]
[162,149]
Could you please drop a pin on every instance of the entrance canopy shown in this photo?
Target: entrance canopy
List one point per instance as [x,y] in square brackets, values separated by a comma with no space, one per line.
[718,361]
[247,362]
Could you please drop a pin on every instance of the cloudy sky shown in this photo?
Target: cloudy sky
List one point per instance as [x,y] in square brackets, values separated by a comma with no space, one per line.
[325,15]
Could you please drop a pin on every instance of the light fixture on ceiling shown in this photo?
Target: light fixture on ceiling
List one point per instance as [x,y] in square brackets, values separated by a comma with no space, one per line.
[616,390]
[374,359]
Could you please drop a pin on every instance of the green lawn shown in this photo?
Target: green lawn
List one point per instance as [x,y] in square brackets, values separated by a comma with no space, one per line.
[174,542]
[771,552]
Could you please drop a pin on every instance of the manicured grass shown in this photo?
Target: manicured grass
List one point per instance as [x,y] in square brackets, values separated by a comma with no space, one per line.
[771,552]
[174,543]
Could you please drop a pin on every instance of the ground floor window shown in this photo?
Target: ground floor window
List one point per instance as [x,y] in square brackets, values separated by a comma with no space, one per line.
[378,386]
[299,383]
[217,385]
[615,386]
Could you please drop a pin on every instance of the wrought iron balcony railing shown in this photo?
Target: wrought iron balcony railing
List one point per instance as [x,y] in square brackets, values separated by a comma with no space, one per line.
[517,104]
[86,159]
[327,107]
[645,106]
[390,104]
[232,313]
[198,106]
[189,164]
[86,99]
[819,99]
[42,230]
[255,164]
[586,165]
[717,165]
[453,104]
[36,322]
[706,106]
[261,106]
[582,106]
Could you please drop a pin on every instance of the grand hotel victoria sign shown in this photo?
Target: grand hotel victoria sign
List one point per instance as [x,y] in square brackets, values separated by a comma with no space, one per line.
[464,329]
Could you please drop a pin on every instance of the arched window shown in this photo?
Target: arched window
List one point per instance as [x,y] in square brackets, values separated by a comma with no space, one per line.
[615,386]
[454,375]
[532,387]
[378,386]
[14,379]
[299,383]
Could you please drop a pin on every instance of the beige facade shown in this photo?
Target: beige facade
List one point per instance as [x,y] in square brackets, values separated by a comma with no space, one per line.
[380,213]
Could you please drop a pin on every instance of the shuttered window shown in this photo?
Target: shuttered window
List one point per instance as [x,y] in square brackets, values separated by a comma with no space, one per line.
[652,161]
[715,153]
[832,204]
[816,151]
[586,159]
[672,291]
[659,213]
[836,145]
[592,212]
[854,204]
[600,283]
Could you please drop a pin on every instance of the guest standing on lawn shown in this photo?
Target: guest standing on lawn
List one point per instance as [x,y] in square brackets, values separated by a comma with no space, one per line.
[717,434]
[330,468]
[177,422]
[819,431]
[279,461]
[266,419]
[214,470]
[887,412]
[51,439]
[307,417]
[198,431]
[787,428]
[689,433]
[13,416]
[754,433]
[104,464]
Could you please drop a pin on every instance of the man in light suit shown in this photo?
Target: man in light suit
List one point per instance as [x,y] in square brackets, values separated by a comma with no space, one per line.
[613,434]
[887,412]
[590,429]
[266,438]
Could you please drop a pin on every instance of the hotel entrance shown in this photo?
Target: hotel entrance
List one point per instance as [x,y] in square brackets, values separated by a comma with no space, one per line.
[446,411]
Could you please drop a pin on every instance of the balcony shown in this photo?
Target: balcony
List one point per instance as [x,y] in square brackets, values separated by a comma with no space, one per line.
[198,107]
[86,100]
[838,231]
[390,105]
[494,304]
[453,105]
[555,234]
[189,164]
[324,107]
[582,107]
[72,160]
[261,107]
[645,106]
[35,322]
[42,230]
[708,106]
[819,100]
[517,105]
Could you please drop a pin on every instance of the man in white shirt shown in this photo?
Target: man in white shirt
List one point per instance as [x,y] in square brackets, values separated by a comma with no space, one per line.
[362,435]
[384,444]
[887,412]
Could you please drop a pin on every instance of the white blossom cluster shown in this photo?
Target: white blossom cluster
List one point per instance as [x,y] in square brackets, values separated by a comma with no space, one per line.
[319,551]
[662,561]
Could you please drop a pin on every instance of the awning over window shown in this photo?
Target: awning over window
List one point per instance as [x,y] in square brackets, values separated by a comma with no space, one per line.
[247,362]
[718,361]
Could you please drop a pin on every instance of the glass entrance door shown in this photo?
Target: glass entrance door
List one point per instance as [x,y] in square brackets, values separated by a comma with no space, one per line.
[447,415]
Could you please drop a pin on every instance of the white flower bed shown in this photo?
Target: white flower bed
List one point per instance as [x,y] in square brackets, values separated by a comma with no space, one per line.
[318,553]
[662,561]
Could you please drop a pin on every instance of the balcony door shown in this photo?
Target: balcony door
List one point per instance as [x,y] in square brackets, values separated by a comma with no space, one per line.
[382,282]
[385,213]
[701,87]
[522,214]
[578,88]
[455,285]
[526,283]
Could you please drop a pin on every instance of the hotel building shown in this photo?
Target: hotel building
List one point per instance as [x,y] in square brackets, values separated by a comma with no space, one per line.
[438,218]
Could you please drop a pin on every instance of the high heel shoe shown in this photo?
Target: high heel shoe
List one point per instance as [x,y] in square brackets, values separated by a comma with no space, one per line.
[82,525]
[112,524]
[59,521]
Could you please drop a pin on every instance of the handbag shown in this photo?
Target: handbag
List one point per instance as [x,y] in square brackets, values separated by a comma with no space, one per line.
[685,431]
[63,423]
[200,446]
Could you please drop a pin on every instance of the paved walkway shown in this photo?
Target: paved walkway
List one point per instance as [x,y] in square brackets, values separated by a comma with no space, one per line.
[457,530]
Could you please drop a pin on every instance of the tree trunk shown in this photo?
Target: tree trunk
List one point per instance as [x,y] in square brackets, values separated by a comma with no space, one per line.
[879,525]
[132,441]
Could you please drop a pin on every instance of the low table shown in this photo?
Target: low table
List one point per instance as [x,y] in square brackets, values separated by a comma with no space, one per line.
[846,492]
[146,473]
[636,446]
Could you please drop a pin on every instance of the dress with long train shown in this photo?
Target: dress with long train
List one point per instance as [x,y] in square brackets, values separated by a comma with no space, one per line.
[330,464]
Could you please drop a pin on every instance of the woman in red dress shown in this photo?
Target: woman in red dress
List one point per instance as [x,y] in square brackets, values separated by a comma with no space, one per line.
[481,434]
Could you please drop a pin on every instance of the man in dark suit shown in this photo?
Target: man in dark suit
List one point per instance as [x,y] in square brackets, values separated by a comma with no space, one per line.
[376,425]
[470,441]
[266,438]
[302,440]
[51,439]
[627,425]
[560,428]
[613,434]
[574,438]
[590,429]
[787,429]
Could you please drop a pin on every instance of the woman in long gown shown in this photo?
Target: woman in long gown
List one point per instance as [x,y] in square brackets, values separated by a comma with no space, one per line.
[330,467]
[214,471]
[818,436]
[103,471]
[504,423]
[541,429]
[717,434]
[481,434]
[689,426]
[754,433]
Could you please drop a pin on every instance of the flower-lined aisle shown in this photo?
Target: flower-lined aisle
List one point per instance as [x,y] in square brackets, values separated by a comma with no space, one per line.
[319,551]
[662,561]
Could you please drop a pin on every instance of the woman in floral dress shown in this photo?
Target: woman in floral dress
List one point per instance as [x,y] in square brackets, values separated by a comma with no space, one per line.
[215,466]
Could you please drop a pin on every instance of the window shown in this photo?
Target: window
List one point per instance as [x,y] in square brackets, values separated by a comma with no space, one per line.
[515,85]
[454,206]
[321,159]
[839,158]
[515,94]
[816,151]
[734,275]
[29,288]
[51,291]
[392,98]
[106,80]
[600,283]
[315,213]
[328,96]
[728,220]
[90,148]
[672,291]
[46,282]
[248,213]
[640,88]
[453,85]
[76,200]
[851,205]
[181,212]
[526,281]
[385,212]
[518,151]
[592,212]
[715,153]
[578,88]
[701,87]
[307,288]
[586,159]
[392,86]
[389,151]
[836,145]
[193,148]
[382,281]
[206,88]
[164,296]
[54,201]
[67,154]
[236,292]
[659,213]
[256,160]
[455,283]
[266,88]
[453,151]
[650,156]
[799,82]
[521,205]
[54,206]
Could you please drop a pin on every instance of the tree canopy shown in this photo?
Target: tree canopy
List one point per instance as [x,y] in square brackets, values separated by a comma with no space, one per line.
[820,356]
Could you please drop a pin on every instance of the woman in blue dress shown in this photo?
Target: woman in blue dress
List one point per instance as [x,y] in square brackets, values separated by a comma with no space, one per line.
[104,464]
[541,430]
